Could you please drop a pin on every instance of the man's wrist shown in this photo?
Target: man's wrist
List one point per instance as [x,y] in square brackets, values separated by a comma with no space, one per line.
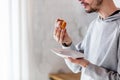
[86,64]
[66,45]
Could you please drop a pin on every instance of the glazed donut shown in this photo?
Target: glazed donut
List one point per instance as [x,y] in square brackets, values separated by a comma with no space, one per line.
[63,23]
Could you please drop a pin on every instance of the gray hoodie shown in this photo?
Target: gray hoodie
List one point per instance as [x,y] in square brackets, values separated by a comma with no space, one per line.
[101,47]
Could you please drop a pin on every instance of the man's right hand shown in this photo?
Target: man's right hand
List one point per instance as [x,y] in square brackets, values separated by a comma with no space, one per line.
[61,35]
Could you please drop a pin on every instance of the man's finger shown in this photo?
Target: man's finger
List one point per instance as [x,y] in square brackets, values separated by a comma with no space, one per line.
[62,36]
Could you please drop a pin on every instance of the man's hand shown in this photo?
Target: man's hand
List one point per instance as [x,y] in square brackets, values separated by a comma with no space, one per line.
[61,35]
[81,61]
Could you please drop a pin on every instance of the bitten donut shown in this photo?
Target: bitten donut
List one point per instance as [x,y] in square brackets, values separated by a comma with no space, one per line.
[63,23]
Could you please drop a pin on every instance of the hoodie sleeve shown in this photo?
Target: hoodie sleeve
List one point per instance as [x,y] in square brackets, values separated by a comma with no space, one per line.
[73,67]
[100,73]
[79,47]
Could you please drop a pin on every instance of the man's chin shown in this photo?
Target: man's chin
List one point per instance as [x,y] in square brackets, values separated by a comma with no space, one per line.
[88,11]
[91,11]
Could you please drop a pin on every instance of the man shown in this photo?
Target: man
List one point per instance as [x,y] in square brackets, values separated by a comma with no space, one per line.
[101,45]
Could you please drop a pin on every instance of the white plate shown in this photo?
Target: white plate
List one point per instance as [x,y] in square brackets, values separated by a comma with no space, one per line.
[67,53]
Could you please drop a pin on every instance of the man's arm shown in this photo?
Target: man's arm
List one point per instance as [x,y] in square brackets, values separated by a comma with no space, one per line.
[79,47]
[73,67]
[98,72]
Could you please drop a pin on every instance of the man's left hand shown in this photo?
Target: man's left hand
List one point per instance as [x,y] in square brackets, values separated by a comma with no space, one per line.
[80,61]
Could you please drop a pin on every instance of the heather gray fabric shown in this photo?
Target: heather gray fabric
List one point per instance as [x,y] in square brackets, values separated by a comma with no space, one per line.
[101,47]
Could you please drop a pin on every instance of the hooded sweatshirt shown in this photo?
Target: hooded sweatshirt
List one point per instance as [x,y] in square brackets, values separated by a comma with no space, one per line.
[101,47]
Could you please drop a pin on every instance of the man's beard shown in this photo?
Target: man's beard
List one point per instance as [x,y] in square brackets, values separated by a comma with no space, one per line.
[91,10]
[96,8]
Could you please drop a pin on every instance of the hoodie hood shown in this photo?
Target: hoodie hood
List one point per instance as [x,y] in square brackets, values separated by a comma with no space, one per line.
[111,18]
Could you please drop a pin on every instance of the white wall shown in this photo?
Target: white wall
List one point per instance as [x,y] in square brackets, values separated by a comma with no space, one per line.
[5,60]
[117,2]
[42,15]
